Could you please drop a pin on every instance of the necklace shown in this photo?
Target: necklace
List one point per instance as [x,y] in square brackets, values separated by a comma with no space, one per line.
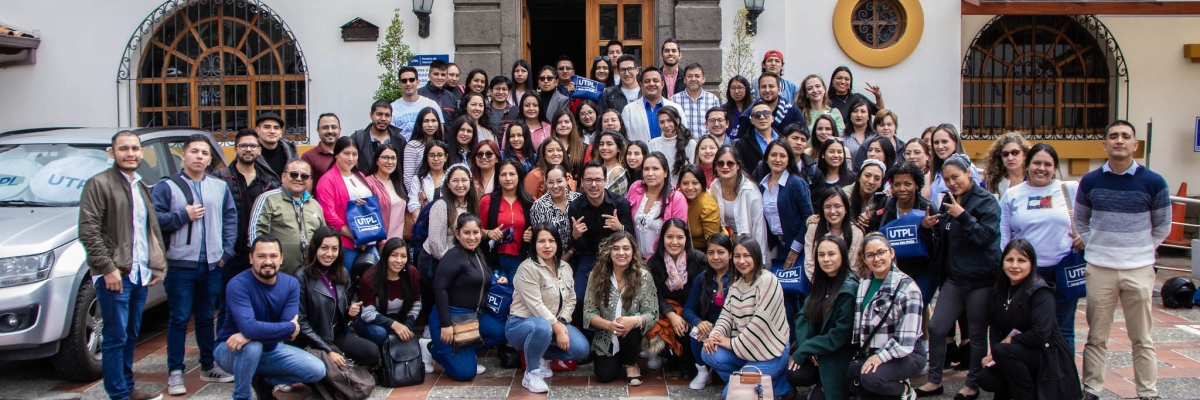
[1008,300]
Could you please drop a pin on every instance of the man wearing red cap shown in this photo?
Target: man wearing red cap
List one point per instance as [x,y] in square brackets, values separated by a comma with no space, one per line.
[773,62]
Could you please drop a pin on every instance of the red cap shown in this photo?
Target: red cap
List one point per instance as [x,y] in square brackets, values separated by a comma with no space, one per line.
[773,53]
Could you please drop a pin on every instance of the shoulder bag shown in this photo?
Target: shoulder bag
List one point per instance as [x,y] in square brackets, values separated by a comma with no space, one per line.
[466,327]
[350,382]
[1068,274]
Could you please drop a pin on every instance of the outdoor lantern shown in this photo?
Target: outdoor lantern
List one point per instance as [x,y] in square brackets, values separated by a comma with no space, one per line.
[423,8]
[753,8]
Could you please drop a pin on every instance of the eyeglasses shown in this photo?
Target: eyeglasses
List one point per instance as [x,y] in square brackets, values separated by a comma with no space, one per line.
[760,114]
[408,80]
[598,58]
[627,69]
[390,159]
[566,68]
[725,164]
[296,175]
[248,146]
[593,181]
[485,154]
[1013,153]
[717,120]
[545,78]
[327,127]
[875,256]
[437,156]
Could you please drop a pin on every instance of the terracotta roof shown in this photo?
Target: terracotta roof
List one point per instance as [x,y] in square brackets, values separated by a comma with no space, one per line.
[6,31]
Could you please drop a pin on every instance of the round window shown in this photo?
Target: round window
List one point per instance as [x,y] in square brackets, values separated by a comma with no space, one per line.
[878,24]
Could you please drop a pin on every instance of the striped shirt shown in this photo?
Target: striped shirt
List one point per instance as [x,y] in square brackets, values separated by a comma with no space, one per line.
[695,110]
[1122,217]
[753,318]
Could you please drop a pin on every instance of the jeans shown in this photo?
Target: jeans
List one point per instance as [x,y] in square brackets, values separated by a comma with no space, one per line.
[122,314]
[191,292]
[535,337]
[508,265]
[586,263]
[375,333]
[725,363]
[1064,312]
[284,365]
[954,301]
[460,365]
[888,378]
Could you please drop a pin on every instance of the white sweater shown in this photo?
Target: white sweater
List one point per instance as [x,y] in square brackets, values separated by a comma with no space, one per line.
[666,145]
[1027,213]
[748,214]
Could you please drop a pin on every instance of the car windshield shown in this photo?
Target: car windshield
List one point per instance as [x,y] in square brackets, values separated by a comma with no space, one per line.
[48,175]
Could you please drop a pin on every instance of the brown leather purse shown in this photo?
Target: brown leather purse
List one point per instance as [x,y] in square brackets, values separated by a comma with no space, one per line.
[466,327]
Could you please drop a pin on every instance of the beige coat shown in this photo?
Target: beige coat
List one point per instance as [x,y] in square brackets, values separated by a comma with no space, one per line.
[537,292]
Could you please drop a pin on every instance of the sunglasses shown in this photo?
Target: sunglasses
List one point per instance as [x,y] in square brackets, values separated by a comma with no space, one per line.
[726,164]
[1013,153]
[299,175]
[545,78]
[760,114]
[485,154]
[408,80]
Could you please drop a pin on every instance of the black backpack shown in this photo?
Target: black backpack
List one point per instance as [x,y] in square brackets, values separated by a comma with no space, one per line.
[188,198]
[402,364]
[420,231]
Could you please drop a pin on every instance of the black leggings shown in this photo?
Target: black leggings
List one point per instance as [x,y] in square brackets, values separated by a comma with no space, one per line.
[362,351]
[610,368]
[1013,375]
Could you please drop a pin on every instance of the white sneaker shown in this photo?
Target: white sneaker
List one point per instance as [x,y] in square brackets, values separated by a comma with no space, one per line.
[479,369]
[284,388]
[544,368]
[655,362]
[175,385]
[910,393]
[216,374]
[426,357]
[702,379]
[534,382]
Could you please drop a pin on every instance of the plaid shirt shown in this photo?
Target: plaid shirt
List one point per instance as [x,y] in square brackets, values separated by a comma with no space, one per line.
[897,336]
[694,110]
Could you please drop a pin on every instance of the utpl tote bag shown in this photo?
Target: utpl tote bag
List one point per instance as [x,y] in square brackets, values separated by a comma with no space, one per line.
[365,221]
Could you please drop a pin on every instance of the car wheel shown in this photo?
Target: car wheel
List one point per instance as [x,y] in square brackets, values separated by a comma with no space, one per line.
[78,357]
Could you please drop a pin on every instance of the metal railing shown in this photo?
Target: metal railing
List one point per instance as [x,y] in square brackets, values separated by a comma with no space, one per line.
[1194,242]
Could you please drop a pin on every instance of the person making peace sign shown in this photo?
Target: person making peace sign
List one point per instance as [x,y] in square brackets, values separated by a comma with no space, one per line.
[594,216]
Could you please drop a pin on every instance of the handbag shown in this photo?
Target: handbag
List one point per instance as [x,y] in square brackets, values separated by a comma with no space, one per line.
[1069,281]
[793,280]
[745,384]
[499,298]
[902,235]
[365,221]
[401,363]
[349,382]
[466,327]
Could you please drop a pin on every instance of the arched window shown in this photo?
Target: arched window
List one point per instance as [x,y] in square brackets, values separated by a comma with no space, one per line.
[215,65]
[1055,77]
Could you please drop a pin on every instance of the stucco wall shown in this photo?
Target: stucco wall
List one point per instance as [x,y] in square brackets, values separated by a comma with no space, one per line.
[1162,87]
[74,80]
[923,90]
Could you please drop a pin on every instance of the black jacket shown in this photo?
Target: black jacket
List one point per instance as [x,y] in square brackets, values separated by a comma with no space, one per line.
[1031,311]
[750,154]
[444,98]
[658,269]
[679,85]
[967,249]
[613,98]
[317,311]
[887,212]
[244,196]
[366,151]
[593,217]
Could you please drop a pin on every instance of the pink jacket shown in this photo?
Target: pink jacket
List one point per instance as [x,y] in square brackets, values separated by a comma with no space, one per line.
[677,209]
[333,196]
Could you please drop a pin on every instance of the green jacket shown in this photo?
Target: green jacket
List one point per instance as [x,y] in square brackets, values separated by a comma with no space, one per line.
[275,214]
[106,228]
[645,305]
[830,340]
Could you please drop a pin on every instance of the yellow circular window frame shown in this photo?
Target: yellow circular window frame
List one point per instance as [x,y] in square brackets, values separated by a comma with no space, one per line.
[878,58]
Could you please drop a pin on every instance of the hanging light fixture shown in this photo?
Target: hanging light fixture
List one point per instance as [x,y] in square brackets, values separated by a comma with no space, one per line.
[753,8]
[423,8]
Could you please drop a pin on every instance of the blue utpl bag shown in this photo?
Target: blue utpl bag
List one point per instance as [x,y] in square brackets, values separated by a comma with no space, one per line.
[586,88]
[499,298]
[365,221]
[903,236]
[793,280]
[1069,281]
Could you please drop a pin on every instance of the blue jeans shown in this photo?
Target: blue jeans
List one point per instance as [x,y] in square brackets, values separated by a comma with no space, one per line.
[191,291]
[508,265]
[460,365]
[697,348]
[1064,312]
[375,333]
[122,314]
[925,283]
[284,365]
[724,362]
[535,337]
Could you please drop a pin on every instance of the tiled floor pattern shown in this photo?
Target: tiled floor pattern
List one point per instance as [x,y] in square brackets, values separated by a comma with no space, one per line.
[1176,335]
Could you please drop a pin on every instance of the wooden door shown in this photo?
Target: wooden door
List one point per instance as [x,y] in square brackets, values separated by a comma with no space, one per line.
[630,21]
[526,41]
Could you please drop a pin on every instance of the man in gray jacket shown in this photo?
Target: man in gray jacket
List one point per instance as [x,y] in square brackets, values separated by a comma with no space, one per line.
[125,254]
[198,214]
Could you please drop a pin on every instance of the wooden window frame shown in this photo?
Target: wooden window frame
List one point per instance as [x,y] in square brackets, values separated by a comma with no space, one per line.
[593,30]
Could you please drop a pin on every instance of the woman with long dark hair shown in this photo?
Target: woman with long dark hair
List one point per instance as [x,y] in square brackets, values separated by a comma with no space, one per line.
[465,135]
[588,115]
[706,154]
[620,303]
[385,174]
[551,208]
[476,81]
[752,330]
[505,216]
[483,167]
[521,71]
[824,324]
[859,130]
[877,148]
[428,179]
[965,236]
[518,146]
[539,320]
[945,143]
[703,212]
[843,96]
[390,293]
[428,127]
[706,299]
[609,149]
[610,120]
[738,198]
[529,112]
[566,129]
[737,101]
[866,192]
[325,309]
[459,290]
[786,199]
[474,105]
[676,142]
[674,265]
[1027,357]
[334,191]
[635,154]
[890,300]
[833,166]
[551,152]
[832,219]
[654,201]
[602,71]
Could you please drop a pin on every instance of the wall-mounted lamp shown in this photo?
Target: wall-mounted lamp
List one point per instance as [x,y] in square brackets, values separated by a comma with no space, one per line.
[753,8]
[1192,51]
[422,8]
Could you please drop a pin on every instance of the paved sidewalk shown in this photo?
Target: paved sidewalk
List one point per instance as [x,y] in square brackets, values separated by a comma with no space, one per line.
[1176,334]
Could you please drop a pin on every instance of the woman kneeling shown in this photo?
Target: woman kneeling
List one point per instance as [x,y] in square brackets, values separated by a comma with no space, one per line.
[887,326]
[619,304]
[459,290]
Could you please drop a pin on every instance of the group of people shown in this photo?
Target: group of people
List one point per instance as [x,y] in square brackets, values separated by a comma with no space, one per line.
[788,230]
